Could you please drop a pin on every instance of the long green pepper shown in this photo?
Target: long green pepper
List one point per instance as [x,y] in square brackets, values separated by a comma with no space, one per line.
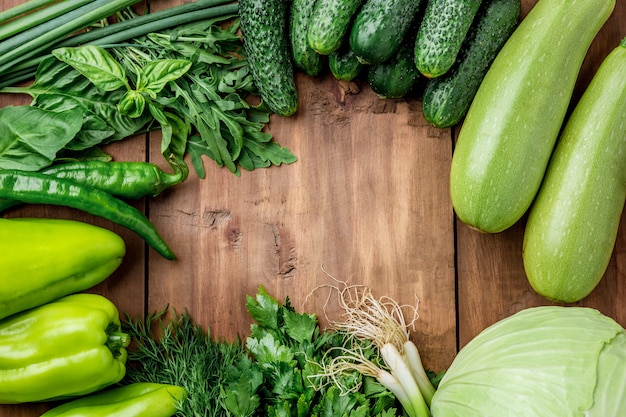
[126,180]
[37,188]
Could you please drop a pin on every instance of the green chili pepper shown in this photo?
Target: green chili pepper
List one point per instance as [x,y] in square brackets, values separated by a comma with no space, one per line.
[44,259]
[141,399]
[128,180]
[37,188]
[67,348]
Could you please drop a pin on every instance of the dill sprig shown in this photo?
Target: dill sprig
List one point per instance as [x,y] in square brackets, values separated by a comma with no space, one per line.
[178,351]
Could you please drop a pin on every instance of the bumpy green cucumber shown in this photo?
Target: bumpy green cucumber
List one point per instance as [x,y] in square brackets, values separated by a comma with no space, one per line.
[266,43]
[441,34]
[304,57]
[344,64]
[380,27]
[448,97]
[510,129]
[330,21]
[397,76]
[573,223]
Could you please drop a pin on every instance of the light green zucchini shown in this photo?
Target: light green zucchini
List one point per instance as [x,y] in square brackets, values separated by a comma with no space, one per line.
[508,135]
[572,225]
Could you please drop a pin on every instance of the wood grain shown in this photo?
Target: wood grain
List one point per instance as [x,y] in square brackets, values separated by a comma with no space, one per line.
[366,203]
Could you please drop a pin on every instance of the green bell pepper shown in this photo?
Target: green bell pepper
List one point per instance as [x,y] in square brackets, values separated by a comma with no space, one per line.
[70,347]
[141,399]
[45,259]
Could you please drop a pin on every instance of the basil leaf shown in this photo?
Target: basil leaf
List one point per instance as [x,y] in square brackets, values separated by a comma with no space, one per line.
[31,137]
[96,64]
[156,74]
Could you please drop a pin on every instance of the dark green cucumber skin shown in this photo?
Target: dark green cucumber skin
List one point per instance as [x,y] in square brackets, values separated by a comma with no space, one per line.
[330,23]
[447,98]
[263,26]
[304,57]
[442,32]
[379,28]
[344,64]
[397,76]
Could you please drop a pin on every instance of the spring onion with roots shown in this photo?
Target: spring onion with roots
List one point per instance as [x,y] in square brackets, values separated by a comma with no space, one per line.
[382,322]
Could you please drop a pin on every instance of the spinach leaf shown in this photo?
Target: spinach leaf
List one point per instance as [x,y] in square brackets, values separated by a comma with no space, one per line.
[30,138]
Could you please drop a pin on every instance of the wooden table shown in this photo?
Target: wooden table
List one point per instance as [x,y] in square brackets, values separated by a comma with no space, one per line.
[367,203]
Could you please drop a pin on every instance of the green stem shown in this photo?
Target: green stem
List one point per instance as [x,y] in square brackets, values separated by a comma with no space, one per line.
[20,9]
[116,341]
[38,17]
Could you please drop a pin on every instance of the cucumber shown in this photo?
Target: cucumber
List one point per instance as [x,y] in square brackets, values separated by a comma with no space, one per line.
[510,129]
[304,57]
[572,225]
[448,97]
[264,32]
[379,28]
[441,34]
[344,64]
[330,22]
[397,76]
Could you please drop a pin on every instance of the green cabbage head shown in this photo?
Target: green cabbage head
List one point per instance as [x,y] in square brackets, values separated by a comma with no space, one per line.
[550,361]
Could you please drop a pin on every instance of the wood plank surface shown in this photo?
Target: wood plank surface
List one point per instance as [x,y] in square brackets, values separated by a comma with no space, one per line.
[366,203]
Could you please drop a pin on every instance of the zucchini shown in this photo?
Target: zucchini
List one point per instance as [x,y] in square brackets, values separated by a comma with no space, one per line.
[572,225]
[330,22]
[264,32]
[448,97]
[441,34]
[304,57]
[397,76]
[344,64]
[506,139]
[379,28]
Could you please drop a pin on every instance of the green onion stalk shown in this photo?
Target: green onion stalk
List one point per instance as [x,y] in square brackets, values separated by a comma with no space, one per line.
[382,322]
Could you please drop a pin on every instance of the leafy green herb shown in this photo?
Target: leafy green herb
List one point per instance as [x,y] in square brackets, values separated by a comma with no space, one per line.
[180,353]
[30,138]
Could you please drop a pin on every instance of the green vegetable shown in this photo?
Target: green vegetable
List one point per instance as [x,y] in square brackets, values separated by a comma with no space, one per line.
[127,180]
[511,127]
[67,348]
[304,57]
[142,399]
[447,98]
[441,34]
[44,259]
[344,64]
[380,27]
[264,27]
[541,362]
[330,23]
[565,256]
[37,188]
[397,76]
[29,41]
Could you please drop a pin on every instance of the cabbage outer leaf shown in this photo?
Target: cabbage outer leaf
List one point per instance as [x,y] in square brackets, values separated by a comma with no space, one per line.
[540,362]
